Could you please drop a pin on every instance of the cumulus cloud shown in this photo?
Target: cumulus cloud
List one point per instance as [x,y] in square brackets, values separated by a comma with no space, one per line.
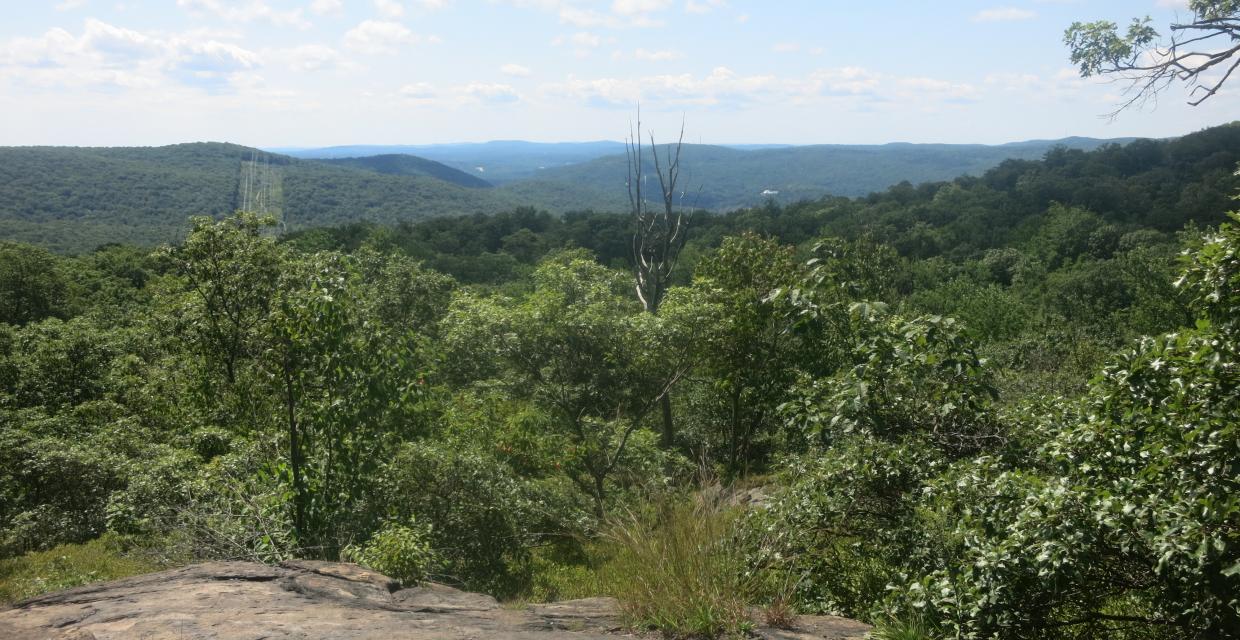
[620,14]
[703,6]
[376,37]
[108,56]
[324,7]
[309,57]
[1003,14]
[389,8]
[517,70]
[491,93]
[724,88]
[657,56]
[475,93]
[636,7]
[246,11]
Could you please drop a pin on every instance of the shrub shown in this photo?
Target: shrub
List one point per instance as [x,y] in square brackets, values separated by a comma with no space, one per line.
[399,551]
[482,520]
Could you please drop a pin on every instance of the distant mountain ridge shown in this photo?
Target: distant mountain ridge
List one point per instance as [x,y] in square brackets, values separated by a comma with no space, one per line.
[590,175]
[408,165]
[75,198]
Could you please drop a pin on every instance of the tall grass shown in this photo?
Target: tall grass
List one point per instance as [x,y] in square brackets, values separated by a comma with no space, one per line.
[678,570]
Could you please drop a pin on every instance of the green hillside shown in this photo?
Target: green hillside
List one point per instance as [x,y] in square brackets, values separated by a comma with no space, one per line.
[73,199]
[406,165]
[729,178]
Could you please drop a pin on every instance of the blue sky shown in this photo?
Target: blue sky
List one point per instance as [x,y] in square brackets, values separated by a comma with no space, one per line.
[323,72]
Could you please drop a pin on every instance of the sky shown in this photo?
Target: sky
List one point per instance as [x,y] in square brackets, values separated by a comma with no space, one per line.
[306,73]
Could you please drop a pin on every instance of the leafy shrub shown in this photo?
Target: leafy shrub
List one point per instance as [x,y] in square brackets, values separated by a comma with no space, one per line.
[399,551]
[482,520]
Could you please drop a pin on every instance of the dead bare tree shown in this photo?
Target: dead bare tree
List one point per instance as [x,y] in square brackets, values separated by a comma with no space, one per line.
[660,230]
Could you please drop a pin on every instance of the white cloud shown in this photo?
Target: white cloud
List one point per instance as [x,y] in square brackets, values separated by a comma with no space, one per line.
[425,94]
[786,47]
[1003,14]
[703,6]
[309,57]
[742,18]
[657,56]
[585,39]
[246,11]
[433,5]
[70,5]
[491,93]
[419,93]
[621,13]
[637,7]
[108,56]
[724,88]
[375,37]
[389,8]
[517,70]
[324,7]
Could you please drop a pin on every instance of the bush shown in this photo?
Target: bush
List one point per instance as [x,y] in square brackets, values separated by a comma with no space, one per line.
[482,520]
[399,551]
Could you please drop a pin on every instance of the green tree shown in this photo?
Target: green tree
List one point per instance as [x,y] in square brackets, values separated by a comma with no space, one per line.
[581,350]
[231,269]
[31,286]
[350,390]
[748,357]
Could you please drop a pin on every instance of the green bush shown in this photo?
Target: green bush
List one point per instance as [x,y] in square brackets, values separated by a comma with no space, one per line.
[482,518]
[399,551]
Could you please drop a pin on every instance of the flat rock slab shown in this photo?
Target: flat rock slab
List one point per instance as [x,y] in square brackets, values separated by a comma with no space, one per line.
[316,601]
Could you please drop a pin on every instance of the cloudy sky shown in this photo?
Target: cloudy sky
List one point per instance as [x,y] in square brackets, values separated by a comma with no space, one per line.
[322,72]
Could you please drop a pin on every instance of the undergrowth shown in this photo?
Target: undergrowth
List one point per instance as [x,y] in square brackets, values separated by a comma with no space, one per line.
[110,557]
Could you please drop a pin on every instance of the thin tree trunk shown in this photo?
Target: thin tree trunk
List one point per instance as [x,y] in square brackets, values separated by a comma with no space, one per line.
[295,461]
[669,426]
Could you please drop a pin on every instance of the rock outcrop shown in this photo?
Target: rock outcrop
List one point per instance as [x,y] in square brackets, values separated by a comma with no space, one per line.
[317,600]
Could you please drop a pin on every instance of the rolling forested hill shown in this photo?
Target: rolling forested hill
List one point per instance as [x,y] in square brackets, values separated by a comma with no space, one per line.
[498,161]
[729,178]
[73,199]
[407,165]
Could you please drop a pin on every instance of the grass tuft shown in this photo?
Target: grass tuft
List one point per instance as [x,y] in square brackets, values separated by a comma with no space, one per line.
[679,571]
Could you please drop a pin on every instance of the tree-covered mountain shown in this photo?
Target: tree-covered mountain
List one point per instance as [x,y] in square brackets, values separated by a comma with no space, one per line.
[406,165]
[498,161]
[73,199]
[729,177]
[720,178]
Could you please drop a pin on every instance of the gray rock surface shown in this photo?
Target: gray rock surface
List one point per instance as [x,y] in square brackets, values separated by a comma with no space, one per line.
[316,600]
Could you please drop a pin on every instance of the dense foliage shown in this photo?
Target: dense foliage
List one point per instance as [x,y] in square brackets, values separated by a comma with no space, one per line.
[943,391]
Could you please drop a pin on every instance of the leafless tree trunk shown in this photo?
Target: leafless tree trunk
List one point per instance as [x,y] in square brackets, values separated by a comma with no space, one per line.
[660,230]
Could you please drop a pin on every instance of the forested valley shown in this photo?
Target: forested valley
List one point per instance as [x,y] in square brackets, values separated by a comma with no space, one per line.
[1001,406]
